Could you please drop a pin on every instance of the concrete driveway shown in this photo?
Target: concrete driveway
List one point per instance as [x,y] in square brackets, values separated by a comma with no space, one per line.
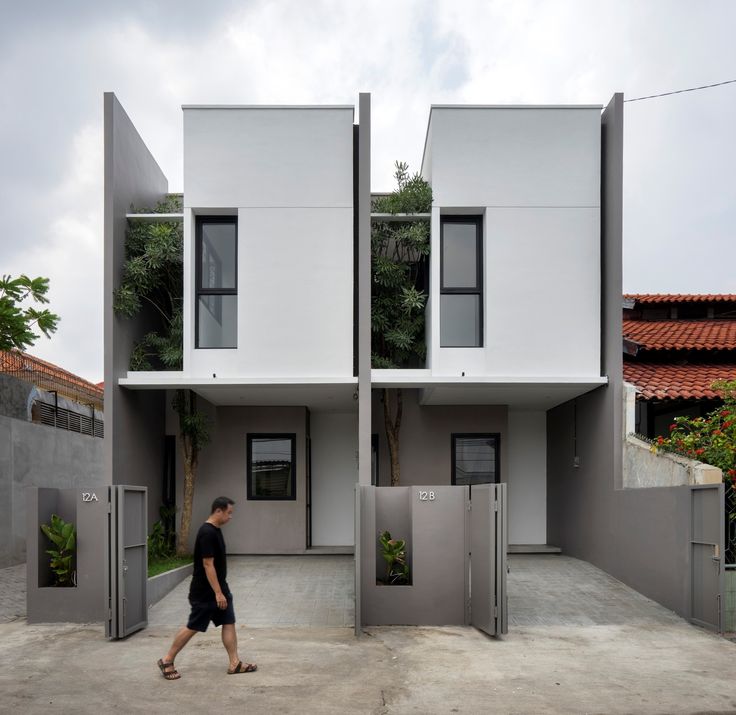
[619,654]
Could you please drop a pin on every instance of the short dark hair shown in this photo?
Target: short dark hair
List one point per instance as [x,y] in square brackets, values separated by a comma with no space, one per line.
[221,503]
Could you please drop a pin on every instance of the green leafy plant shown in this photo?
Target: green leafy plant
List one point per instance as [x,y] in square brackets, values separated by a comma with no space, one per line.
[63,535]
[393,552]
[17,323]
[153,280]
[162,539]
[399,258]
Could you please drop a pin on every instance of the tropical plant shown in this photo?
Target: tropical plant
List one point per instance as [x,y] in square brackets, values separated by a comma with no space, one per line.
[16,322]
[393,552]
[153,277]
[63,535]
[162,539]
[399,257]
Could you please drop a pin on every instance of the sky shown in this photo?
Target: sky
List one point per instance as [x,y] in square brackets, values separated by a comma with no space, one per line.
[57,59]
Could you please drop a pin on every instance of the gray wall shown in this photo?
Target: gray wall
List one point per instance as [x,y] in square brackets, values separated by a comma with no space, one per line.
[14,397]
[425,438]
[639,536]
[134,421]
[258,527]
[34,455]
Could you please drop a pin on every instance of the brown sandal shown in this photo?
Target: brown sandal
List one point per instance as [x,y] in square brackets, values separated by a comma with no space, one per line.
[168,670]
[243,668]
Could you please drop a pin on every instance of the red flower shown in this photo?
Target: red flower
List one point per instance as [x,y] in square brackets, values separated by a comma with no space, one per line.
[727,424]
[716,432]
[725,413]
[673,426]
[699,451]
[660,440]
[731,473]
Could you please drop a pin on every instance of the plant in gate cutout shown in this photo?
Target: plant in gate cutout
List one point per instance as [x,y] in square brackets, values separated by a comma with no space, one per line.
[394,553]
[63,535]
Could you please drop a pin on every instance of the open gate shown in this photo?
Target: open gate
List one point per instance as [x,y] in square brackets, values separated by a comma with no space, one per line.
[488,547]
[127,561]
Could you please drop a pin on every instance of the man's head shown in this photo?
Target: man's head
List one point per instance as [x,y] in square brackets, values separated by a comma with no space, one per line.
[222,510]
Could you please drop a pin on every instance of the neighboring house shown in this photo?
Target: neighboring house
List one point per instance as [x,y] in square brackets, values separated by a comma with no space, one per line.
[675,347]
[276,225]
[51,425]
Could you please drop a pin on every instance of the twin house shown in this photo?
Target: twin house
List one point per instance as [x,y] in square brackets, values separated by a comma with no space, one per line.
[524,260]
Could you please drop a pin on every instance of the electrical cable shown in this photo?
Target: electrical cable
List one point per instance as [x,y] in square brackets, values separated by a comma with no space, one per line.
[680,91]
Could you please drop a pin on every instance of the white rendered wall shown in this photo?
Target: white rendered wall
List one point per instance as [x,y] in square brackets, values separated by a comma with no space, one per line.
[534,176]
[527,480]
[334,474]
[287,173]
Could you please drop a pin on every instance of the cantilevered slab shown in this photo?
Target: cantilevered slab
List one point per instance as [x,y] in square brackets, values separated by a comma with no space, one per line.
[317,393]
[532,392]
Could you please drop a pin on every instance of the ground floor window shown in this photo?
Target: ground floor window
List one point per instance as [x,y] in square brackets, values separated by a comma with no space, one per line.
[271,466]
[475,459]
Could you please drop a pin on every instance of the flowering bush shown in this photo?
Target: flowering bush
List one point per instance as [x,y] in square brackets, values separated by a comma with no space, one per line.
[710,439]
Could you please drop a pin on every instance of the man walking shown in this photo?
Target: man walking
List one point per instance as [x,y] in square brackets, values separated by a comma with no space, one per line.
[209,594]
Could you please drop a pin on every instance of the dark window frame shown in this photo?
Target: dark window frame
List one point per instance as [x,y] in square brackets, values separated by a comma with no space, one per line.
[477,221]
[496,436]
[249,471]
[199,291]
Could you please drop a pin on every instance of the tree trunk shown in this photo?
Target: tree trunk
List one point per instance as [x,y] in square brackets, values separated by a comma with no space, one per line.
[187,405]
[393,425]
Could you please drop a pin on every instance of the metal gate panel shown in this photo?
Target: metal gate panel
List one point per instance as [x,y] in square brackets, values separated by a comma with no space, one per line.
[488,547]
[127,569]
[707,524]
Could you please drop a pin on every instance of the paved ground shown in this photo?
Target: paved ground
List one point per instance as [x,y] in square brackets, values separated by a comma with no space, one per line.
[620,653]
[278,591]
[12,593]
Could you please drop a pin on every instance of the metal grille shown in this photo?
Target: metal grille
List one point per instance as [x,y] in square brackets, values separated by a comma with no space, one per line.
[49,377]
[61,418]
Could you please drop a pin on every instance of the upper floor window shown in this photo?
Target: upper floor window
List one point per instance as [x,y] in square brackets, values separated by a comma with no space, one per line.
[217,282]
[461,290]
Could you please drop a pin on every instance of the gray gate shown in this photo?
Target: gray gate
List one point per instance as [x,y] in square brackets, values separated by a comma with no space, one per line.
[488,546]
[707,574]
[127,561]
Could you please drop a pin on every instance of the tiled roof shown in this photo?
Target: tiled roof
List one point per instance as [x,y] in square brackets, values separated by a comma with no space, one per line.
[681,297]
[665,381]
[48,376]
[681,334]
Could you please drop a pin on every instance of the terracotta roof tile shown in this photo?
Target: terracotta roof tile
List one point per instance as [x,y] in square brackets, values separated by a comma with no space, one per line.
[666,381]
[681,334]
[681,297]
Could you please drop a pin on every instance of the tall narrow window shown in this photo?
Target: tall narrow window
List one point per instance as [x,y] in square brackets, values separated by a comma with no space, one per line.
[475,459]
[461,290]
[272,466]
[217,282]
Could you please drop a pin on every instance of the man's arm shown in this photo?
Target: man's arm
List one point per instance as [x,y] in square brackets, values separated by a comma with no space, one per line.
[209,570]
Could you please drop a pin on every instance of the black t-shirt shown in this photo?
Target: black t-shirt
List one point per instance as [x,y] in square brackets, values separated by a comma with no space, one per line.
[209,544]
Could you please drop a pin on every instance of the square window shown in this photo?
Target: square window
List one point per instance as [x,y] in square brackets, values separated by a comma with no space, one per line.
[475,459]
[272,466]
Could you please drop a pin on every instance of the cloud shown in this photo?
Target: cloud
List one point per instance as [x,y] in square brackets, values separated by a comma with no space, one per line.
[57,59]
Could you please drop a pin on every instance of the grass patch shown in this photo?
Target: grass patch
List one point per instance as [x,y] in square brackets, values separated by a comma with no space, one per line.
[158,566]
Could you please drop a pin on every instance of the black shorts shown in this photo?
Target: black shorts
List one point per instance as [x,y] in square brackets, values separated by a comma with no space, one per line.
[205,611]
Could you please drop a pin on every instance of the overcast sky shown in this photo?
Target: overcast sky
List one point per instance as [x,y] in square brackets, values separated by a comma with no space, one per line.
[57,59]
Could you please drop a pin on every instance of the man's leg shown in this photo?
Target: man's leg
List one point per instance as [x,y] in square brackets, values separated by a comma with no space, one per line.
[180,640]
[230,641]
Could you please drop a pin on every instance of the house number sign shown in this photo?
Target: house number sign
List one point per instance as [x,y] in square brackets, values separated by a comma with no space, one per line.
[89,496]
[426,496]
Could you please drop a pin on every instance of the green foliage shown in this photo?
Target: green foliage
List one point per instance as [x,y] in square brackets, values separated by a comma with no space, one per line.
[171,204]
[157,566]
[16,322]
[193,424]
[710,439]
[153,277]
[63,536]
[399,253]
[162,539]
[394,553]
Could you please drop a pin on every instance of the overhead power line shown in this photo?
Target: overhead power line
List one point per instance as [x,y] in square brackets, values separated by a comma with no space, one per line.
[680,91]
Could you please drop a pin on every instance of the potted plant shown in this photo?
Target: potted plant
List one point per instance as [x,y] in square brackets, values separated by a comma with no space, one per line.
[63,536]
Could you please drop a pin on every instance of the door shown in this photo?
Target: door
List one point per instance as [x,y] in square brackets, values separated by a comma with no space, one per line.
[127,561]
[488,546]
[707,524]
